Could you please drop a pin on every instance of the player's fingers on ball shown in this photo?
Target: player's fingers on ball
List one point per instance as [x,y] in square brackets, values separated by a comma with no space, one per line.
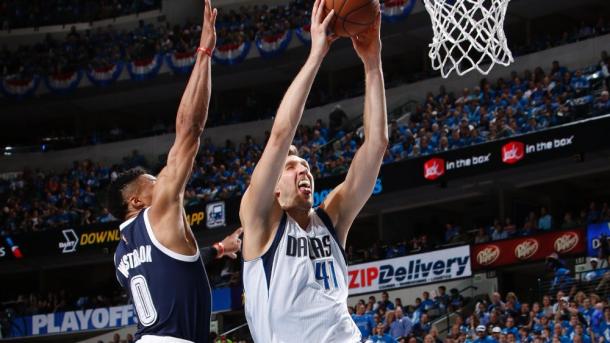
[314,11]
[320,11]
[328,18]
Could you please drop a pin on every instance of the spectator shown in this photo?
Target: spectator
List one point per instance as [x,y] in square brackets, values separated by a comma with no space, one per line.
[402,326]
[385,301]
[482,337]
[498,233]
[482,236]
[595,273]
[544,222]
[380,336]
[364,322]
[423,326]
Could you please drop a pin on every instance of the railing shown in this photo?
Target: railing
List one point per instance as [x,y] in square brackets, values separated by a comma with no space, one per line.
[444,322]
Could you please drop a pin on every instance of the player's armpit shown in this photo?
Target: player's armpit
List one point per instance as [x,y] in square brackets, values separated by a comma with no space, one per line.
[345,201]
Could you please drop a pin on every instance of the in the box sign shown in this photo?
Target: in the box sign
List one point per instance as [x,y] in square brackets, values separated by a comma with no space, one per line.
[468,162]
[549,145]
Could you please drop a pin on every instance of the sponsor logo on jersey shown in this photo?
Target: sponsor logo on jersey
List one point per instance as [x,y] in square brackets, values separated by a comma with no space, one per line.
[134,259]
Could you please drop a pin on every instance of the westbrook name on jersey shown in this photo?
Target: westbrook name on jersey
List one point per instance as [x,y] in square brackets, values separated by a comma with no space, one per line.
[170,291]
[297,290]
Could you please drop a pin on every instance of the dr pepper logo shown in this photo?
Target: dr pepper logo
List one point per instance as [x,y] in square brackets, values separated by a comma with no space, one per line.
[513,152]
[566,242]
[526,249]
[489,255]
[434,168]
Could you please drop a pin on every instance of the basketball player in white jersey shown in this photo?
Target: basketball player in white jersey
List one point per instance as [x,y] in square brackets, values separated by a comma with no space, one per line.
[295,273]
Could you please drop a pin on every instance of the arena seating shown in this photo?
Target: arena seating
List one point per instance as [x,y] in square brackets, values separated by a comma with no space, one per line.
[38,200]
[16,14]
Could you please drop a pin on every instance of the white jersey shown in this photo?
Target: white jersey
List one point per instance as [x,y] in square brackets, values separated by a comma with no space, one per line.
[297,291]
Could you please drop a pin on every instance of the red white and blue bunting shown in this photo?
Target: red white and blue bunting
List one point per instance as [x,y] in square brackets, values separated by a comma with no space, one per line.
[303,34]
[231,53]
[272,46]
[17,88]
[396,10]
[145,69]
[105,76]
[63,83]
[181,62]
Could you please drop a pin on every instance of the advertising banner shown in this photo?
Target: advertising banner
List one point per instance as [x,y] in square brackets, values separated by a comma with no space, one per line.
[401,272]
[223,299]
[98,238]
[528,249]
[59,322]
[514,152]
[596,235]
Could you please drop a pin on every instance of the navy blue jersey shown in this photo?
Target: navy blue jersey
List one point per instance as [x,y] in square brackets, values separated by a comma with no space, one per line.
[170,292]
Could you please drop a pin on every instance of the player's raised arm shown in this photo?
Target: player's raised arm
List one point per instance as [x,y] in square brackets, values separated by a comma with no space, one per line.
[347,199]
[258,204]
[190,120]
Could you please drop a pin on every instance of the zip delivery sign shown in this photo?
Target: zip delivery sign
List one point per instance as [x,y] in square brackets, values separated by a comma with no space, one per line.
[430,267]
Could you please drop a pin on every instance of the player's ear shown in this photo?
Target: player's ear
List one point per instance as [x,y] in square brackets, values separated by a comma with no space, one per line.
[135,202]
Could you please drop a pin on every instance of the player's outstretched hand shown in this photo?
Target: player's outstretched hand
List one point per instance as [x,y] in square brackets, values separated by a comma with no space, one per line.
[208,31]
[232,243]
[320,39]
[368,43]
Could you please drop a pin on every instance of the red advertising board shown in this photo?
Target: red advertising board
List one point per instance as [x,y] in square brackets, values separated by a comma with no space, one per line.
[528,249]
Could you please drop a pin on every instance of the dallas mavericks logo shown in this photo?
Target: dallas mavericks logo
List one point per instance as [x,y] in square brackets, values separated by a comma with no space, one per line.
[215,214]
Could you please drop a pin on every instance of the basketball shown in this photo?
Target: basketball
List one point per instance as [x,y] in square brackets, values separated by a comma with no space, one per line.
[351,16]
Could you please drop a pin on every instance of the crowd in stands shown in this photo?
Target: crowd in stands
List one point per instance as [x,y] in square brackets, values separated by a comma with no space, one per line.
[102,47]
[37,200]
[16,14]
[575,314]
[455,234]
[387,321]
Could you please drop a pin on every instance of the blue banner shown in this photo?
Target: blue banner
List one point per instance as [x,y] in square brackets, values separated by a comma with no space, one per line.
[272,46]
[223,299]
[229,54]
[595,234]
[181,62]
[145,69]
[303,34]
[105,76]
[59,322]
[396,10]
[17,88]
[63,83]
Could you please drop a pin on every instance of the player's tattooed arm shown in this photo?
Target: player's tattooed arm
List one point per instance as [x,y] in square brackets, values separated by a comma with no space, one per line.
[345,202]
[258,206]
[190,119]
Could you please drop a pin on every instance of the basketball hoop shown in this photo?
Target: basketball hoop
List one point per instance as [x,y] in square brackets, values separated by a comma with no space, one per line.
[468,35]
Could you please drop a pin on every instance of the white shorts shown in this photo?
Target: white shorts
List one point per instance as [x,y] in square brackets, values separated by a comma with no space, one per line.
[161,339]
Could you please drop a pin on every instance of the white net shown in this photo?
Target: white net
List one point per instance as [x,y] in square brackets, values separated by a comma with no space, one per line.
[468,35]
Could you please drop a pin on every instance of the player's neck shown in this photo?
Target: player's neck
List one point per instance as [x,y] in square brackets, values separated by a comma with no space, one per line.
[132,212]
[302,217]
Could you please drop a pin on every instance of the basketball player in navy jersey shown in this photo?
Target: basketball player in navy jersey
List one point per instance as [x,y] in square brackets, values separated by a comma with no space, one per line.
[157,260]
[295,273]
